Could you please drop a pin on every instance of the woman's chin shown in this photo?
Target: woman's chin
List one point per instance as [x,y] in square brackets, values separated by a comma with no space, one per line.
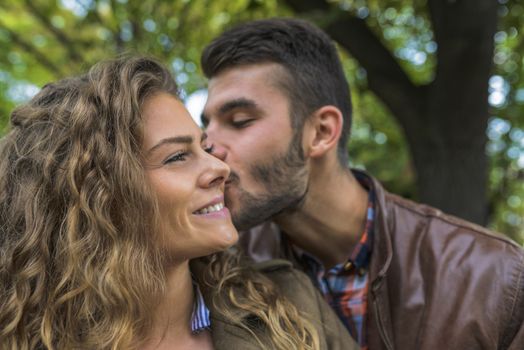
[229,240]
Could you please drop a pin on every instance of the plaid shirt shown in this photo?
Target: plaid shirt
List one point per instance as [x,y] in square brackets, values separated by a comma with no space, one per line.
[345,286]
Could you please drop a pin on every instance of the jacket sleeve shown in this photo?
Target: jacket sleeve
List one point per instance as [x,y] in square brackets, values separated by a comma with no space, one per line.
[517,319]
[518,341]
[227,336]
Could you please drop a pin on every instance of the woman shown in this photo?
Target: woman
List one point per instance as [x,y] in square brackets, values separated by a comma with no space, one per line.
[107,190]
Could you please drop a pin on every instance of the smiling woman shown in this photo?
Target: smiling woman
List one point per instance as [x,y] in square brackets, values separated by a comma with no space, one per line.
[187,181]
[107,191]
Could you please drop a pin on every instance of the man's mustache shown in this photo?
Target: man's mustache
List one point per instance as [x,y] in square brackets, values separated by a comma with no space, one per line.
[233,178]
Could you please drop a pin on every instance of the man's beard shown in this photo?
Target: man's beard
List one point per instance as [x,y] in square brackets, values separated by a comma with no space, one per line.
[285,182]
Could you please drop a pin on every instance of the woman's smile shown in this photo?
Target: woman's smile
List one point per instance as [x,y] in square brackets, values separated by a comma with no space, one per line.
[188,181]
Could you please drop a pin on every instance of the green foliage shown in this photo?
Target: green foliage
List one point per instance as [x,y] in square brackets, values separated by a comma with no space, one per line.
[41,41]
[506,130]
[405,29]
[377,143]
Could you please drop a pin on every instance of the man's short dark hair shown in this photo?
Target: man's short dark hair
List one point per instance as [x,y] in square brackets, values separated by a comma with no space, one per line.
[314,75]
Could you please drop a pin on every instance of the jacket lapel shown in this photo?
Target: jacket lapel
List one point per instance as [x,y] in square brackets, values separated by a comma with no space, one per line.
[380,333]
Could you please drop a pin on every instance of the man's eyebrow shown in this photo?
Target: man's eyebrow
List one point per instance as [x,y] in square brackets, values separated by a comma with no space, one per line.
[232,105]
[237,103]
[187,139]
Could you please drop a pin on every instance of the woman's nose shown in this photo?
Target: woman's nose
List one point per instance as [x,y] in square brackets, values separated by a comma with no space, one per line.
[216,172]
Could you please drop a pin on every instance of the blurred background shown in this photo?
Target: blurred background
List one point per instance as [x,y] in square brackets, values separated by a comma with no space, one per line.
[437,86]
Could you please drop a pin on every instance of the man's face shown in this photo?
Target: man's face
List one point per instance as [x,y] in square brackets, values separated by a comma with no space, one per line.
[247,119]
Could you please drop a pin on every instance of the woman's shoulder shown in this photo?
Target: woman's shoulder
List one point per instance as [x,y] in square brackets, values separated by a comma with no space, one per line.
[272,265]
[298,288]
[291,282]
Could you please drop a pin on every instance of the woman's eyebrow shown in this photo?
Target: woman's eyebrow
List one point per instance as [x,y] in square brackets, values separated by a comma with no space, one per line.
[187,139]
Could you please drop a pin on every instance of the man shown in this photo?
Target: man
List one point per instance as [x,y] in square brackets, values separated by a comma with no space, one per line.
[400,275]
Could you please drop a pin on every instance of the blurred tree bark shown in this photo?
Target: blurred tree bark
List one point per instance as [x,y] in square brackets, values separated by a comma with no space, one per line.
[445,120]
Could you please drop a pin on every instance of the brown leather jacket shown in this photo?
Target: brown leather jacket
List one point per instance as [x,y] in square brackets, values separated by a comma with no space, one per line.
[436,282]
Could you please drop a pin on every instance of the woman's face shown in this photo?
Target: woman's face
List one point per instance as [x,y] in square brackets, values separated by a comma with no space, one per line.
[187,181]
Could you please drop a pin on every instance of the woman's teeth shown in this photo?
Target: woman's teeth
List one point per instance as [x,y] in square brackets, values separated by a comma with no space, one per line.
[210,209]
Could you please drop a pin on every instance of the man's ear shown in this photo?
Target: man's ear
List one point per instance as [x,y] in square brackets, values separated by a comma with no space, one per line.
[323,130]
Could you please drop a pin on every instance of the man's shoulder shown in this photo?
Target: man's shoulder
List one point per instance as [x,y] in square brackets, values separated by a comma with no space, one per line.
[453,267]
[401,218]
[408,217]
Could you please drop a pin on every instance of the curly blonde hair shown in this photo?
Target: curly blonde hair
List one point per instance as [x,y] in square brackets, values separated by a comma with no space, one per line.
[78,265]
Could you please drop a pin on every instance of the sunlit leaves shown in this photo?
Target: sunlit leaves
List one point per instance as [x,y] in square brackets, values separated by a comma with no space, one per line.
[43,40]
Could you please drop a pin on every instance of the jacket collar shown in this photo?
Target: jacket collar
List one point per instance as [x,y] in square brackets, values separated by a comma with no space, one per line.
[198,268]
[382,254]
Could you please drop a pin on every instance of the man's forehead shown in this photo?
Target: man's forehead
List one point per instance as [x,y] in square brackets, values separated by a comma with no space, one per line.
[245,82]
[260,73]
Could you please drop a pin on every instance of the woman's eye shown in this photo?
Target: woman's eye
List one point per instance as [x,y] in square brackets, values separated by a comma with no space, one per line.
[208,148]
[177,157]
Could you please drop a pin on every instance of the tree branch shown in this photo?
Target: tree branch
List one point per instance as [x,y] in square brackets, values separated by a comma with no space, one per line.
[183,19]
[464,33]
[39,56]
[385,76]
[119,42]
[59,35]
[97,18]
[302,6]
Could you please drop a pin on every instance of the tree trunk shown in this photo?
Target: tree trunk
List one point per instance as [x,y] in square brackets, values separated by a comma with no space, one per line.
[445,121]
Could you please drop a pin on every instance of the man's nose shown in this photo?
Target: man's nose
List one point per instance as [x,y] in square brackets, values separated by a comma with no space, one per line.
[219,150]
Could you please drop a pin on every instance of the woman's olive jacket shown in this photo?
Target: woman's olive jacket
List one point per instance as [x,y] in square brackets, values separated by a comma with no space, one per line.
[299,290]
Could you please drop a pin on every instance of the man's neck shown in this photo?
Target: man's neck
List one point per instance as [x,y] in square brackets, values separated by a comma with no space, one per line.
[332,218]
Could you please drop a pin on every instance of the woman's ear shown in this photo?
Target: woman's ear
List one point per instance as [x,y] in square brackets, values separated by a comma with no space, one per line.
[323,131]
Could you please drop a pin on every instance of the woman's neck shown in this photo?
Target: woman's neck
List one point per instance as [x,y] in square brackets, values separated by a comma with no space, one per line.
[172,317]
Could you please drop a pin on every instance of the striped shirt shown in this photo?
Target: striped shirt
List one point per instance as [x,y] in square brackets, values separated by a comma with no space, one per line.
[200,319]
[345,286]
